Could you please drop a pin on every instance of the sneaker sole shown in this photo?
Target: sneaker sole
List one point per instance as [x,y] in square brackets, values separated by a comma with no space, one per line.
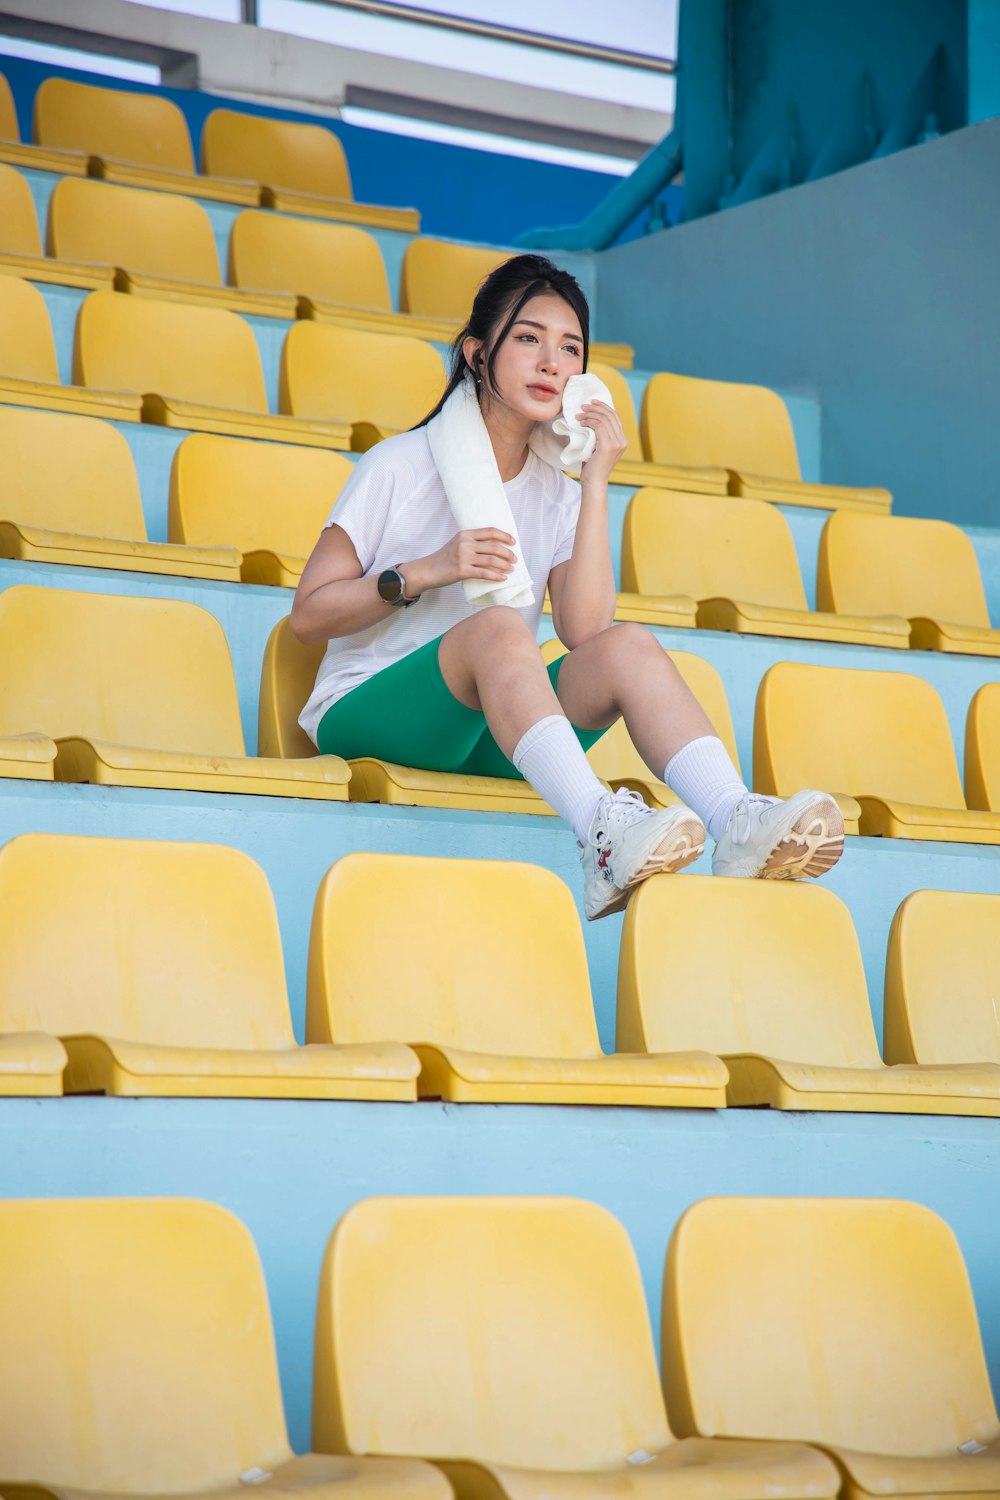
[680,847]
[810,849]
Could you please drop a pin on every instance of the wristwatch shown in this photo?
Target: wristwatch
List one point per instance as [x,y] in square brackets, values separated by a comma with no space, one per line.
[392,587]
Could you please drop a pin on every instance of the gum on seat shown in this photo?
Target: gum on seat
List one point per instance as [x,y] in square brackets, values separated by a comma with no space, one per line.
[71,495]
[40,158]
[159,966]
[880,737]
[745,429]
[138,1358]
[269,500]
[875,1349]
[29,374]
[532,1315]
[498,1006]
[21,244]
[924,570]
[785,1006]
[634,467]
[737,558]
[137,692]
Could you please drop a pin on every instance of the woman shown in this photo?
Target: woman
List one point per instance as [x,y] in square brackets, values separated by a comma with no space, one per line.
[414,673]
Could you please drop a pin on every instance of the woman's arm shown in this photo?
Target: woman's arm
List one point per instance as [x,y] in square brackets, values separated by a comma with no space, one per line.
[582,590]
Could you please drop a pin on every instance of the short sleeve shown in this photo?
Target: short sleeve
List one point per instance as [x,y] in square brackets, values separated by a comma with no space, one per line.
[569,510]
[365,504]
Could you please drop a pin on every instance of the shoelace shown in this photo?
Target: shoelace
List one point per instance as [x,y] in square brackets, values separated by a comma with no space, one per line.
[624,801]
[739,823]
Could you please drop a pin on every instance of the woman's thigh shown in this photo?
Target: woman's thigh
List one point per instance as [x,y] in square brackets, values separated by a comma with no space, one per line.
[487,759]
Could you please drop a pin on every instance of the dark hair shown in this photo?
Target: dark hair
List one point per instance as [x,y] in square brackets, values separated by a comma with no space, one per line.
[497,304]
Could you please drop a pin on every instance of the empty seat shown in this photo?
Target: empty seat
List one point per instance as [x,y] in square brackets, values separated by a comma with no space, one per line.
[531,1314]
[269,500]
[159,966]
[375,383]
[440,279]
[31,1062]
[785,1005]
[193,367]
[20,155]
[27,757]
[941,981]
[634,468]
[29,374]
[300,168]
[139,140]
[745,429]
[71,495]
[737,558]
[138,1358]
[21,243]
[874,1351]
[153,244]
[879,737]
[924,570]
[982,749]
[497,1001]
[137,692]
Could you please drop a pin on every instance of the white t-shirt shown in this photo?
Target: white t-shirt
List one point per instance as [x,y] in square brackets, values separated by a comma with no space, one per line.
[394,509]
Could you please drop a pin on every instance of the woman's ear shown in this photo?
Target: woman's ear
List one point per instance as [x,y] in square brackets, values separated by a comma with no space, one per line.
[473,352]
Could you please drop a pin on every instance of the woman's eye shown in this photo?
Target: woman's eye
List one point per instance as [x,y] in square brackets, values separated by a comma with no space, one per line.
[527,338]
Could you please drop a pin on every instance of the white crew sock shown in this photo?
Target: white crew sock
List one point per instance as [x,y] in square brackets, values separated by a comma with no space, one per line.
[550,756]
[704,777]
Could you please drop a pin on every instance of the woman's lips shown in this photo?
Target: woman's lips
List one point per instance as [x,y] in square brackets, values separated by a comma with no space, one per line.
[544,392]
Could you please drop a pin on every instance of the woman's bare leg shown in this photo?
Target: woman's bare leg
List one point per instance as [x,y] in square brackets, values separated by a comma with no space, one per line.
[491,662]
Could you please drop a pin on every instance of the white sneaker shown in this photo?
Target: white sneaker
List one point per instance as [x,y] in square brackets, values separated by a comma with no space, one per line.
[768,839]
[629,841]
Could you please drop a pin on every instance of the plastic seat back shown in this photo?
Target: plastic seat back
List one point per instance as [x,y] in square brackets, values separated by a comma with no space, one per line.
[18,220]
[788,981]
[68,473]
[254,496]
[941,1002]
[168,944]
[717,422]
[621,397]
[495,957]
[150,673]
[328,262]
[864,1309]
[281,153]
[9,128]
[529,1311]
[288,676]
[137,1353]
[440,280]
[157,234]
[867,734]
[199,354]
[27,348]
[982,749]
[714,548]
[341,373]
[147,129]
[899,565]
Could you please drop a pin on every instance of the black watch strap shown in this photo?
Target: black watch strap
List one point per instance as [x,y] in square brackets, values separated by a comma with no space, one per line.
[391,588]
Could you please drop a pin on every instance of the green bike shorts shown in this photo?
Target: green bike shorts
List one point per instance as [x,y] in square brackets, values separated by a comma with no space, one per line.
[407,714]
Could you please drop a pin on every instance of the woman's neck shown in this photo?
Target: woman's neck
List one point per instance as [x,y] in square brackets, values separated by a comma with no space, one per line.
[509,433]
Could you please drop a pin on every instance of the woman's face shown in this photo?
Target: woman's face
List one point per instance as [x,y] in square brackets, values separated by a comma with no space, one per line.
[542,350]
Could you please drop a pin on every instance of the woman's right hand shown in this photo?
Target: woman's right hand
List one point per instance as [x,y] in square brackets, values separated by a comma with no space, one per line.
[486,553]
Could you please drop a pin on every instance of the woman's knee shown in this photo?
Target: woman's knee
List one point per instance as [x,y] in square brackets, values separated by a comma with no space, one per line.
[625,643]
[497,622]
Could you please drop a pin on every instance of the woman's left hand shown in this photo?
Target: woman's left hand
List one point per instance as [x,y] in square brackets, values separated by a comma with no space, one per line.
[611,444]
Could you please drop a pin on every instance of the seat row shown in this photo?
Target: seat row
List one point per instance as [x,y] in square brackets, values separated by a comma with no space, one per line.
[499,1348]
[155,968]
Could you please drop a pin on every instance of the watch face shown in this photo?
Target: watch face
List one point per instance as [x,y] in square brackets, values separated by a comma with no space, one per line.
[390,585]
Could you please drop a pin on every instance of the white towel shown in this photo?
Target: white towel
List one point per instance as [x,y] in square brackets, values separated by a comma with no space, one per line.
[461,448]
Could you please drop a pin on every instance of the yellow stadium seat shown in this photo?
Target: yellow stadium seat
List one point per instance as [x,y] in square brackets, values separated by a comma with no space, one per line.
[29,374]
[786,1006]
[738,560]
[31,1063]
[634,468]
[745,429]
[532,1316]
[267,499]
[440,279]
[27,757]
[941,981]
[71,495]
[340,375]
[873,1346]
[924,570]
[21,243]
[982,749]
[298,168]
[19,155]
[880,737]
[510,933]
[137,692]
[335,270]
[138,140]
[152,244]
[159,967]
[138,1358]
[193,367]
